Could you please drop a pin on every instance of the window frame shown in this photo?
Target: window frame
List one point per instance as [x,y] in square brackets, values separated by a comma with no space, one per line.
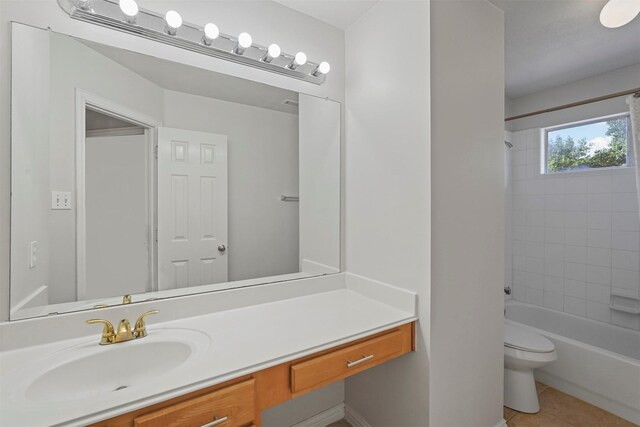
[545,143]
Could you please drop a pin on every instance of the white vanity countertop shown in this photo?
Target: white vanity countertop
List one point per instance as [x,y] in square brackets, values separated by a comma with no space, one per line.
[242,341]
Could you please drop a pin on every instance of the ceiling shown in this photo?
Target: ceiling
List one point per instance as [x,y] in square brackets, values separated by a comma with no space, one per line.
[198,81]
[339,13]
[554,42]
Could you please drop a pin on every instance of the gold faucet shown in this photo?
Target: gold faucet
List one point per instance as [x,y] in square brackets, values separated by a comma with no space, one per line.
[124,331]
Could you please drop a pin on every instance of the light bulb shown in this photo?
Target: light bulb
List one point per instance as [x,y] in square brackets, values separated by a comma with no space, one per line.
[211,32]
[323,68]
[300,58]
[274,50]
[129,9]
[617,13]
[244,41]
[174,21]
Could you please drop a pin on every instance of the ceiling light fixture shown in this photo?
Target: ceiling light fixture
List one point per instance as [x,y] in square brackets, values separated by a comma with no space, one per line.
[617,13]
[125,16]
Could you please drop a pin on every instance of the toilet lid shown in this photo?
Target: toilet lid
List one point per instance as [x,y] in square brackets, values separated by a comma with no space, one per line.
[522,339]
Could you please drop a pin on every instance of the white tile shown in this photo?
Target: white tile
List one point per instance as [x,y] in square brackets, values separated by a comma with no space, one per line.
[598,293]
[599,239]
[625,221]
[624,182]
[626,320]
[624,202]
[598,311]
[520,262]
[554,267]
[535,203]
[599,202]
[554,235]
[575,236]
[575,254]
[518,217]
[535,186]
[518,247]
[599,256]
[553,300]
[553,284]
[575,202]
[625,279]
[554,202]
[575,185]
[535,234]
[554,219]
[575,288]
[520,233]
[519,157]
[519,277]
[577,306]
[534,249]
[535,280]
[599,275]
[535,218]
[534,296]
[575,271]
[519,172]
[626,240]
[520,188]
[534,265]
[600,220]
[553,251]
[599,184]
[575,219]
[626,260]
[553,185]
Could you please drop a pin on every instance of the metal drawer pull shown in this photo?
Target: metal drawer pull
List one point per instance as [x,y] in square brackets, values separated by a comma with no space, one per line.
[216,422]
[351,364]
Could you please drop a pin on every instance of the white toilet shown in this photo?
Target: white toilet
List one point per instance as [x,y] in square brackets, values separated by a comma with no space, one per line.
[524,351]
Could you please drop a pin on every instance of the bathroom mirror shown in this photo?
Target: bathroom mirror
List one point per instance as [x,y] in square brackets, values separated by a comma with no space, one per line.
[134,175]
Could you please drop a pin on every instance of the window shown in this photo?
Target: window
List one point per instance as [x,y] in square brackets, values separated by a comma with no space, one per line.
[599,143]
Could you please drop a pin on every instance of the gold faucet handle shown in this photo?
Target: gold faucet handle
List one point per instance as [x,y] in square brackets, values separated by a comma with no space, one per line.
[140,329]
[108,333]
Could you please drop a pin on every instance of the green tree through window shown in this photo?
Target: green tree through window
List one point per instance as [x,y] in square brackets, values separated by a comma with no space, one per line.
[566,152]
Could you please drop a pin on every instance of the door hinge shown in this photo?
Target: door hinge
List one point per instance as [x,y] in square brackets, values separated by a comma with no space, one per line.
[155,152]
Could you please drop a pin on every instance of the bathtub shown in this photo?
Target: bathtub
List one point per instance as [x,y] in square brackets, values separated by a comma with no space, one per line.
[597,362]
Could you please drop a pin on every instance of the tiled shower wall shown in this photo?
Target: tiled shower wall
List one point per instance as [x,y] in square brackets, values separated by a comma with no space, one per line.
[574,236]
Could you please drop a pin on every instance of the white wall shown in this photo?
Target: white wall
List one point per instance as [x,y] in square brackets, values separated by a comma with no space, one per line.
[267,21]
[467,101]
[263,164]
[388,191]
[117,216]
[602,84]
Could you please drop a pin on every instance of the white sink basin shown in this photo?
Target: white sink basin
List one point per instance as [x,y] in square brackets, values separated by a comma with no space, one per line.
[91,370]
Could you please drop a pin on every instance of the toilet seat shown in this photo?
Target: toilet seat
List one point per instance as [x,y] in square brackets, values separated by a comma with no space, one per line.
[521,339]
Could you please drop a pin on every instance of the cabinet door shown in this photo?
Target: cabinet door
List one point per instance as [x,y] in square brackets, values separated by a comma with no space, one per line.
[232,406]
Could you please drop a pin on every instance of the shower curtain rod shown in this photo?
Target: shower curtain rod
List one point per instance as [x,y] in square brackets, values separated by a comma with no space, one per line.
[575,104]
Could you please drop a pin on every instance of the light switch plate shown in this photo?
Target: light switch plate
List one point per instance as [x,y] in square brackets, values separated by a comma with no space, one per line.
[60,200]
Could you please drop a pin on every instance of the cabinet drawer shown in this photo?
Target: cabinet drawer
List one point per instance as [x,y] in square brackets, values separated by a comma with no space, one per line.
[234,404]
[313,373]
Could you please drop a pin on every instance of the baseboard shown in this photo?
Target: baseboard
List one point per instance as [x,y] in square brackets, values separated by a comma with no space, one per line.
[324,418]
[354,418]
[502,423]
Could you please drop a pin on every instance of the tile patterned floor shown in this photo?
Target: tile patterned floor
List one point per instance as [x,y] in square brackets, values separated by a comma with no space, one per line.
[558,409]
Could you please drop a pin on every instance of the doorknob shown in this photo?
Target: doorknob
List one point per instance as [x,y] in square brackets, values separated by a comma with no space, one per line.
[222,248]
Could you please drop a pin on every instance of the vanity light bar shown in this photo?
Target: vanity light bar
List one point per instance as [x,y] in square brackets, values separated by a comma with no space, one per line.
[125,16]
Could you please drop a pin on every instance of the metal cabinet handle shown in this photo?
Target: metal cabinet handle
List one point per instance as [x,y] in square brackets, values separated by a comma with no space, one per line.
[216,422]
[351,364]
[222,248]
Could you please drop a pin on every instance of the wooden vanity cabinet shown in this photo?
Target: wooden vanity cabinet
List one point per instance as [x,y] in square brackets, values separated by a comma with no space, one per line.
[239,402]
